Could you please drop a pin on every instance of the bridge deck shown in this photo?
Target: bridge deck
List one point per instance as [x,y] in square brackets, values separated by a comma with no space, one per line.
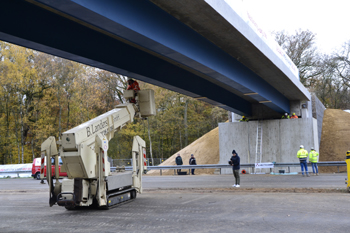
[194,47]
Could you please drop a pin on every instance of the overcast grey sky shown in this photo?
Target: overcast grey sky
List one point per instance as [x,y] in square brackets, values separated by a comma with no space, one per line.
[328,19]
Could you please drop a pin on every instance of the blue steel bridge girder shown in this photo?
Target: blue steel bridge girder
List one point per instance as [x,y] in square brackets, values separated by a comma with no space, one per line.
[138,39]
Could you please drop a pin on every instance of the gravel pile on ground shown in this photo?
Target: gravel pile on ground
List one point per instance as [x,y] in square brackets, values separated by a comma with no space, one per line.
[205,150]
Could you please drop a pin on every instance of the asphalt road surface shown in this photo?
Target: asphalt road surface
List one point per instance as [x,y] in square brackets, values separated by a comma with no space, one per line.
[190,204]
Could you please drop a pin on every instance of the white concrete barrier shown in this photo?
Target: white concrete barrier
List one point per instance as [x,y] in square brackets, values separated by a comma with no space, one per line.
[16,170]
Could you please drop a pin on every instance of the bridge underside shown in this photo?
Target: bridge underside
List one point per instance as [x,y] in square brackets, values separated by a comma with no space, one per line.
[156,42]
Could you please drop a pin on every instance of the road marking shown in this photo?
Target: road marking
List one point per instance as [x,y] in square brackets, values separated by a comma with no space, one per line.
[193,200]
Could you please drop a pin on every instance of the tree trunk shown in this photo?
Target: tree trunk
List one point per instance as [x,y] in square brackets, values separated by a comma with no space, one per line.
[33,148]
[150,141]
[7,129]
[180,139]
[22,127]
[19,152]
[59,116]
[22,140]
[68,111]
[161,148]
[185,124]
[16,130]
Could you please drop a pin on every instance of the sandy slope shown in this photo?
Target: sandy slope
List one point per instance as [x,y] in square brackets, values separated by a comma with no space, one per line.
[205,150]
[335,139]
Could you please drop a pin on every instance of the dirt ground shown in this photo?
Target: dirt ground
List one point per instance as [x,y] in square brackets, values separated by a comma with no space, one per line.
[335,138]
[205,150]
[246,190]
[188,210]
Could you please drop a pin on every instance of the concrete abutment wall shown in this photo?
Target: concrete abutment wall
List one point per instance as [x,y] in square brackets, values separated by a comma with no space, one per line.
[281,140]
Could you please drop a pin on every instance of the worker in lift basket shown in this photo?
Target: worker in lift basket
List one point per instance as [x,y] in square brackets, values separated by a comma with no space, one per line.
[133,85]
[302,155]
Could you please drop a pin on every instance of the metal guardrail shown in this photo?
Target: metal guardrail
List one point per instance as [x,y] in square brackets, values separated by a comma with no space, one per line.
[246,165]
[11,169]
[207,166]
[15,171]
[9,173]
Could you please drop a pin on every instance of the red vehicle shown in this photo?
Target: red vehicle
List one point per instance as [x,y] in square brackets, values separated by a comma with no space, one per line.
[37,166]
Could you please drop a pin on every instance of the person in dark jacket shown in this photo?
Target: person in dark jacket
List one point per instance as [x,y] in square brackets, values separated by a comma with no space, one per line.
[192,162]
[178,162]
[235,163]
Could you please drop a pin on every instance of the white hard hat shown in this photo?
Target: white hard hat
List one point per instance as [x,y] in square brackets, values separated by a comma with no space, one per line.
[312,148]
[301,146]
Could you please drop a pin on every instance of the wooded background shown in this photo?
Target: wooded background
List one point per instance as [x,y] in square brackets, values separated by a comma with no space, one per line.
[42,95]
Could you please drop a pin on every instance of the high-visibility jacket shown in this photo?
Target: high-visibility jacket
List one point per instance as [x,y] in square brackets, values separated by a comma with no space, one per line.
[244,120]
[285,117]
[302,154]
[313,156]
[294,117]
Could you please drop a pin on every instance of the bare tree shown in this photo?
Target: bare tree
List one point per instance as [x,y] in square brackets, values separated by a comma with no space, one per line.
[342,59]
[333,84]
[301,49]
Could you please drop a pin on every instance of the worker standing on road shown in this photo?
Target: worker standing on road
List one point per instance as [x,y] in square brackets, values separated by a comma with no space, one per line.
[244,119]
[235,163]
[302,155]
[313,159]
[285,116]
[294,116]
[133,85]
[179,162]
[192,162]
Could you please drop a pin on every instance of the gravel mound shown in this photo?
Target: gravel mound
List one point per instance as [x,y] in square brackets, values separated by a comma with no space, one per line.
[205,149]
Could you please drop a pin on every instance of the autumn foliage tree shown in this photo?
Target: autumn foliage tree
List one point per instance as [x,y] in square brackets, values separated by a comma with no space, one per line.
[42,95]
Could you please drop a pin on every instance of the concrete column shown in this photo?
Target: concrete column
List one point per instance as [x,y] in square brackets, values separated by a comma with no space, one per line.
[295,107]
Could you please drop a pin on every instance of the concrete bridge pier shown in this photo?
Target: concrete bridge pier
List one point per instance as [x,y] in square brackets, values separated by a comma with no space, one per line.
[281,138]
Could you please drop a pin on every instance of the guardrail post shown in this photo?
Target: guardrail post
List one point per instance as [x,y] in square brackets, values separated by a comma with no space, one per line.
[338,169]
[174,172]
[160,171]
[288,169]
[220,171]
